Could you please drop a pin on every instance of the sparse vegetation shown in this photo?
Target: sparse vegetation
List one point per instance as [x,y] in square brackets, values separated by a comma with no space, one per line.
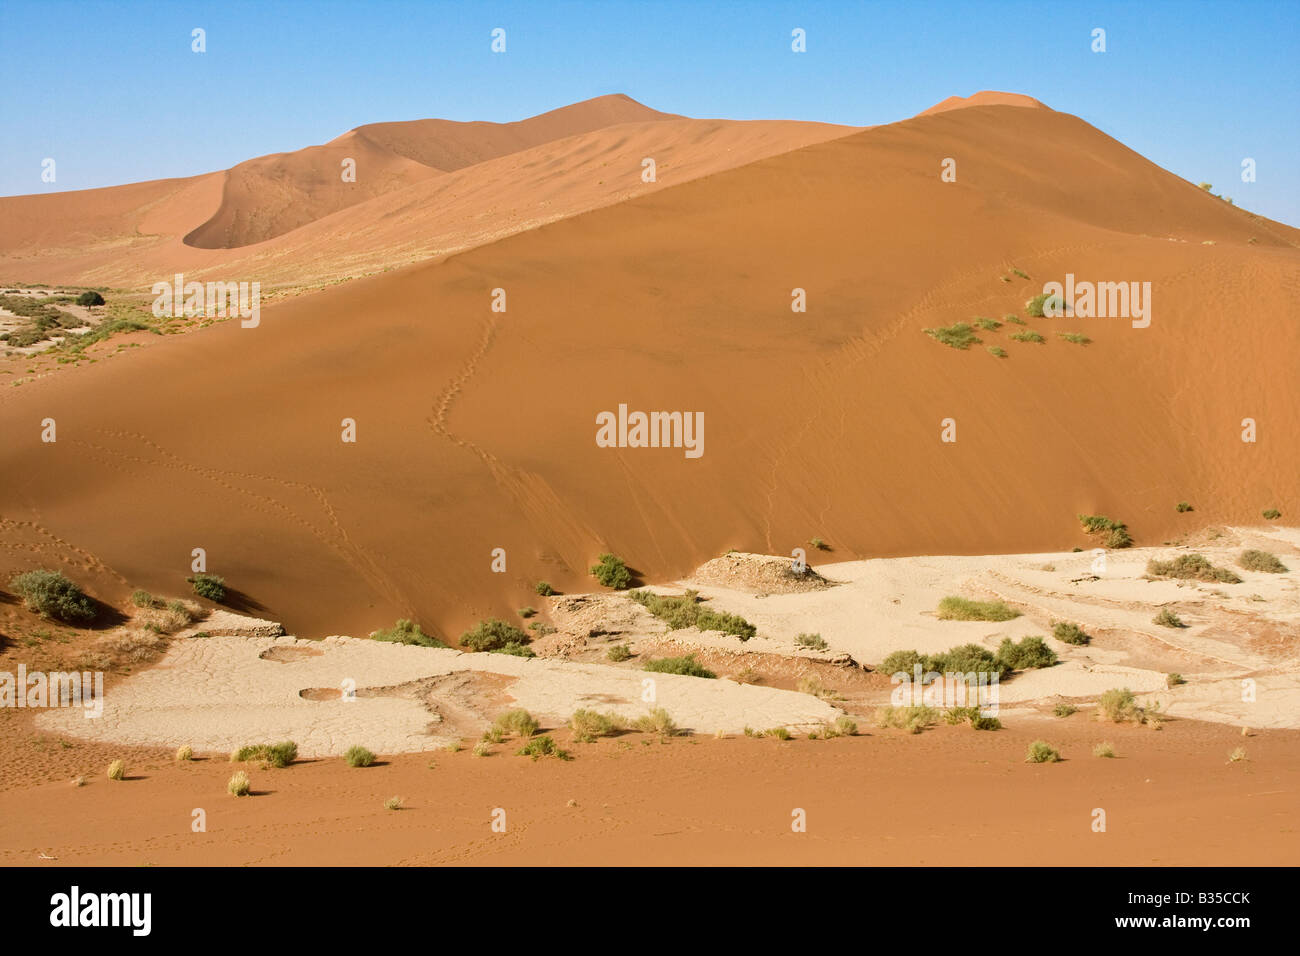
[813,642]
[52,595]
[1031,652]
[210,586]
[1013,318]
[1183,507]
[406,632]
[1105,749]
[1028,335]
[89,298]
[1064,710]
[1272,514]
[845,726]
[1120,706]
[527,612]
[1253,560]
[393,803]
[657,722]
[611,572]
[1076,338]
[959,715]
[1167,618]
[1238,755]
[185,753]
[1021,273]
[542,746]
[494,635]
[997,351]
[358,756]
[1040,751]
[239,785]
[587,725]
[619,653]
[962,609]
[687,610]
[913,718]
[958,336]
[687,665]
[517,721]
[1038,304]
[987,324]
[1115,532]
[1191,567]
[1173,680]
[811,684]
[481,749]
[818,544]
[1070,633]
[544,588]
[117,770]
[142,599]
[273,755]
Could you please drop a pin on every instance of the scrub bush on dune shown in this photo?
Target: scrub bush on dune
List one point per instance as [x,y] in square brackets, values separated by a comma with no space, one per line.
[210,586]
[50,594]
[611,572]
[406,632]
[493,635]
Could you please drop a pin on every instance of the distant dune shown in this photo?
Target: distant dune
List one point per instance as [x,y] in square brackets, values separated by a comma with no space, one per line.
[476,430]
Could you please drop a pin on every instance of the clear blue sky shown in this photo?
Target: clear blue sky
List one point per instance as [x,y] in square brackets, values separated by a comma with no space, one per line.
[114,94]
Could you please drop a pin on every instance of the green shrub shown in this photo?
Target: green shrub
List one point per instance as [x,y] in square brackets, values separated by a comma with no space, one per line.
[1191,567]
[1120,706]
[657,722]
[987,324]
[1029,335]
[588,725]
[50,594]
[406,632]
[1030,652]
[275,755]
[619,653]
[1036,306]
[517,721]
[979,722]
[1064,710]
[1040,751]
[1070,633]
[515,649]
[1077,338]
[958,336]
[358,756]
[811,641]
[1167,618]
[611,572]
[913,718]
[961,609]
[1116,532]
[687,665]
[493,635]
[688,611]
[903,662]
[1272,514]
[997,351]
[1013,318]
[527,612]
[1253,560]
[966,659]
[142,599]
[90,298]
[544,588]
[818,544]
[1173,680]
[210,586]
[1183,507]
[542,746]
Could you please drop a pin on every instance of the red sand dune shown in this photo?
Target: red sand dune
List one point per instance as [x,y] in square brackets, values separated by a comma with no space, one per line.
[476,430]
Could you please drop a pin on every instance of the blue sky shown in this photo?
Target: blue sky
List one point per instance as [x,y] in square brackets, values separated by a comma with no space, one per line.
[113,92]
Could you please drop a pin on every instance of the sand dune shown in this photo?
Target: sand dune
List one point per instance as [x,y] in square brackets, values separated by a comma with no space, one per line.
[476,429]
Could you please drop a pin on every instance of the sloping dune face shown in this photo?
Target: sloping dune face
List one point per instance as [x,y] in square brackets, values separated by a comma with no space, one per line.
[476,430]
[421,189]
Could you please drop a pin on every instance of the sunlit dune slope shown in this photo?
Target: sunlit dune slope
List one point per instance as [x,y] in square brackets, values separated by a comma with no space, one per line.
[476,430]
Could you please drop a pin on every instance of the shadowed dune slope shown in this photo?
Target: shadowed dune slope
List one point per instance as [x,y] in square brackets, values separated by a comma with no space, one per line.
[476,430]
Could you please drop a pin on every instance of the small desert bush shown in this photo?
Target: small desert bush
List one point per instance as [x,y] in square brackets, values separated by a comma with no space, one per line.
[1037,306]
[588,725]
[515,649]
[686,610]
[393,803]
[611,572]
[687,665]
[142,599]
[845,726]
[482,749]
[542,746]
[1191,567]
[1115,533]
[913,718]
[544,588]
[1029,335]
[1183,507]
[210,586]
[1173,680]
[1040,751]
[239,785]
[811,684]
[657,722]
[958,336]
[117,770]
[1167,618]
[358,756]
[1077,338]
[185,753]
[961,715]
[406,632]
[987,324]
[273,755]
[516,721]
[1105,749]
[901,662]
[90,297]
[997,351]
[1064,710]
[1069,633]
[493,635]
[50,594]
[1253,560]
[527,612]
[619,653]
[962,609]
[1021,273]
[1013,319]
[1120,706]
[818,544]
[1272,514]
[1030,652]
[780,733]
[811,641]
[1237,755]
